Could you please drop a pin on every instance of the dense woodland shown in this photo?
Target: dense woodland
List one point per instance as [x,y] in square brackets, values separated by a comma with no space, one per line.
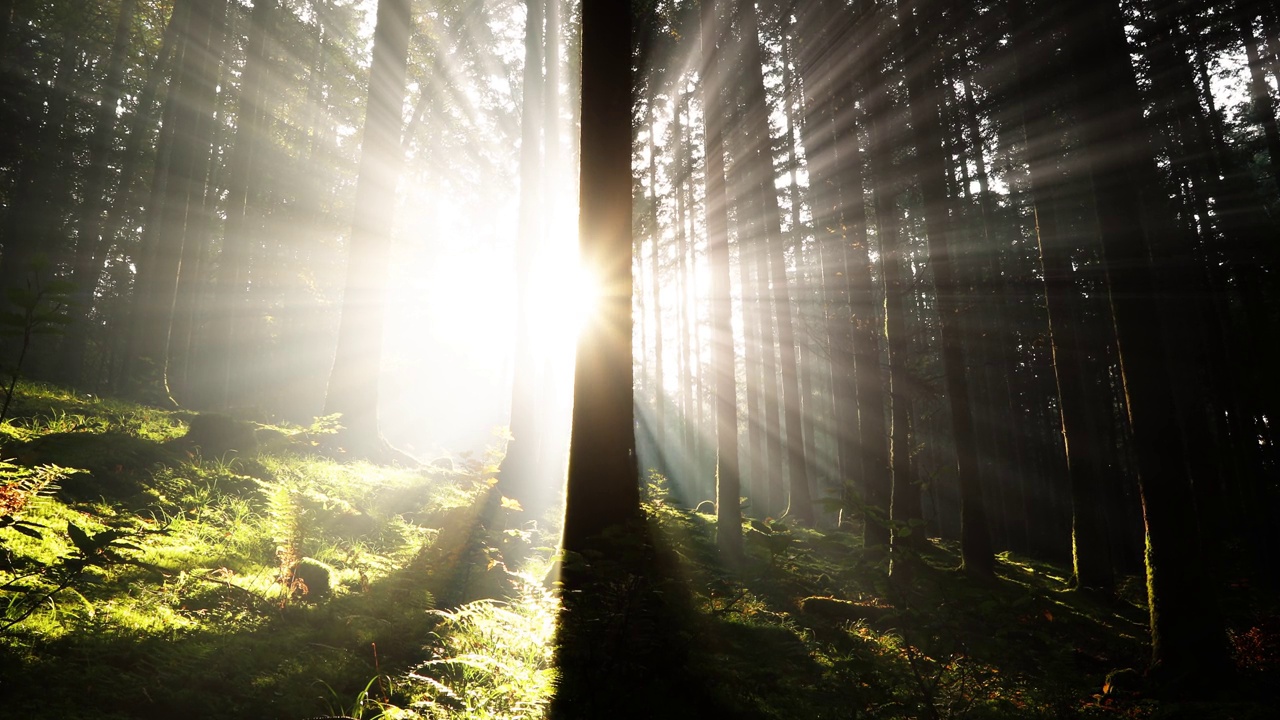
[995,276]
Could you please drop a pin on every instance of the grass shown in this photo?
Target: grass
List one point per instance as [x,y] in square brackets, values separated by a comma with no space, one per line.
[156,581]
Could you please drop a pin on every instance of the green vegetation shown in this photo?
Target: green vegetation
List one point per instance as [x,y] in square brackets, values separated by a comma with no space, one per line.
[148,580]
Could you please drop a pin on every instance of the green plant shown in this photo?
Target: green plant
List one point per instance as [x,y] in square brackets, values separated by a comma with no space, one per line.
[31,590]
[18,487]
[38,309]
[493,660]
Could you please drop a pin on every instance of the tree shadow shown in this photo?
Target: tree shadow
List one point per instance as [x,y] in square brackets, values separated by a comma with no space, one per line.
[631,644]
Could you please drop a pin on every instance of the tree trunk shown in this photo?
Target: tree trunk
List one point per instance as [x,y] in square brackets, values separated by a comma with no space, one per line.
[87,264]
[760,161]
[827,103]
[603,485]
[519,475]
[655,231]
[728,483]
[230,313]
[923,33]
[1188,642]
[353,382]
[1091,559]
[181,182]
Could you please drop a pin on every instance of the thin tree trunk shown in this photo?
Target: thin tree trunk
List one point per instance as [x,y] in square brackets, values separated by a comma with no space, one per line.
[655,230]
[773,267]
[184,182]
[728,483]
[1091,559]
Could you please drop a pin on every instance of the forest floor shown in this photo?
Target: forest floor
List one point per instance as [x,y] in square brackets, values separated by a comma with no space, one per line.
[159,564]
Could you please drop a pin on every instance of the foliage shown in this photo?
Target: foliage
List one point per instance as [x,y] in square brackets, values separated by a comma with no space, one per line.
[182,602]
[19,487]
[178,600]
[493,659]
[37,309]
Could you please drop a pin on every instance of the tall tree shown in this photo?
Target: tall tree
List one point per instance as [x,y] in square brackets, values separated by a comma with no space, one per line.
[228,317]
[88,255]
[178,193]
[1090,557]
[922,22]
[761,182]
[519,474]
[603,485]
[728,478]
[1187,639]
[353,382]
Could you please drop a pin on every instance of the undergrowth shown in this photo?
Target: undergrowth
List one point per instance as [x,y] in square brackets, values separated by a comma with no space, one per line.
[142,576]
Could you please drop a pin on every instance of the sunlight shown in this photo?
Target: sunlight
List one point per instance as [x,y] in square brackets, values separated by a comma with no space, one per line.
[565,297]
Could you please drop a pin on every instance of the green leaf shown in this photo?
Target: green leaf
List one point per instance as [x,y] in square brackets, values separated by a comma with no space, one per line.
[81,539]
[28,529]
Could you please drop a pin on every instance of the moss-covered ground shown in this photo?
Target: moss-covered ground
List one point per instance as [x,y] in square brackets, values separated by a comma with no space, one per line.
[142,576]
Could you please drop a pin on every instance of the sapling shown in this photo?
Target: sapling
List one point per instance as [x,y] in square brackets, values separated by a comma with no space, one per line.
[37,309]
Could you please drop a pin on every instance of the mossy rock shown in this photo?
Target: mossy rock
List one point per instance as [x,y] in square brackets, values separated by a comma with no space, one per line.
[317,579]
[117,464]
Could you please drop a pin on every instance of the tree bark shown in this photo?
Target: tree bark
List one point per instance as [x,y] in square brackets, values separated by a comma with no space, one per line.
[1188,642]
[921,40]
[603,484]
[1091,561]
[728,483]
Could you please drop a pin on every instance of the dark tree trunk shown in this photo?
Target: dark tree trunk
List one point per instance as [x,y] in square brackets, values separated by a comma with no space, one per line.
[921,41]
[1188,642]
[603,485]
[1090,550]
[91,237]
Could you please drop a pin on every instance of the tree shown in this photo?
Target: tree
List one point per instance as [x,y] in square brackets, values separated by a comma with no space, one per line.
[728,478]
[177,194]
[603,485]
[88,256]
[921,40]
[520,473]
[1090,553]
[353,383]
[228,326]
[761,183]
[1187,639]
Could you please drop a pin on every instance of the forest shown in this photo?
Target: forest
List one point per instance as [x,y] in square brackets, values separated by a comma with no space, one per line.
[797,359]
